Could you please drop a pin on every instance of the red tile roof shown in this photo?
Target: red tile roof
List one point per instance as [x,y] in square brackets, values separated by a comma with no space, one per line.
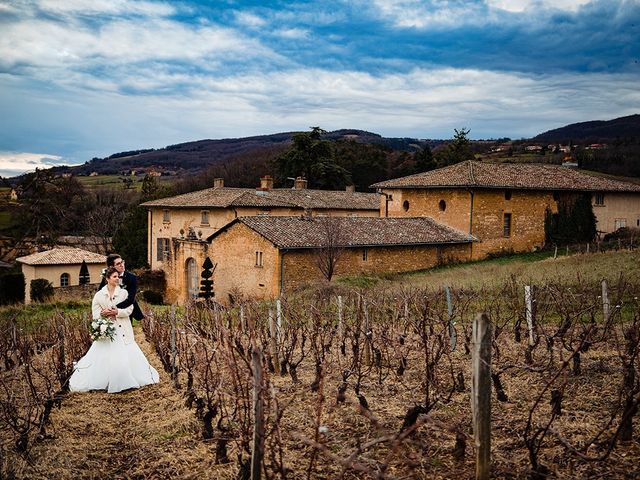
[278,197]
[525,176]
[62,256]
[302,232]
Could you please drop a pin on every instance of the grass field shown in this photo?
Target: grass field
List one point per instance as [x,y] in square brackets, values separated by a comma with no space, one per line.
[529,268]
[117,181]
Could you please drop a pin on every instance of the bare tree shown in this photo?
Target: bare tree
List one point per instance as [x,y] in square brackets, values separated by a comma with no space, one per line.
[332,243]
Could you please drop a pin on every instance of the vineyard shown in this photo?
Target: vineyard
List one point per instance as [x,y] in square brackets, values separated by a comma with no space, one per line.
[348,383]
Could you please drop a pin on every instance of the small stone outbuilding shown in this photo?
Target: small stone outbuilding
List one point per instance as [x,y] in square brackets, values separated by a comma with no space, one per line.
[260,257]
[61,267]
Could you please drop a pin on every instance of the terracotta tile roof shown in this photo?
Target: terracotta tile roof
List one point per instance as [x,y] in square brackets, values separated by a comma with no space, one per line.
[278,197]
[526,176]
[62,256]
[300,232]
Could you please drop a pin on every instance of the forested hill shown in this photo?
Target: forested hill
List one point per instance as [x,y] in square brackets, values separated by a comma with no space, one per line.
[598,130]
[198,155]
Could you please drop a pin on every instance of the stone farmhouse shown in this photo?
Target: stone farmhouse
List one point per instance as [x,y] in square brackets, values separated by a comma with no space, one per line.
[180,225]
[265,257]
[503,205]
[266,242]
[61,267]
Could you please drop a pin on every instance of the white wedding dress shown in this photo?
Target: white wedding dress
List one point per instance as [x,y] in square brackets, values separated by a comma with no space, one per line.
[113,365]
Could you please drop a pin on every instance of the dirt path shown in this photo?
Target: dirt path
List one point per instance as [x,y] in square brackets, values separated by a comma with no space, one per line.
[145,433]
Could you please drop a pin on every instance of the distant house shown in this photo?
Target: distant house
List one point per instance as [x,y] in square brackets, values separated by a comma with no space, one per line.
[93,174]
[61,267]
[503,205]
[263,257]
[13,196]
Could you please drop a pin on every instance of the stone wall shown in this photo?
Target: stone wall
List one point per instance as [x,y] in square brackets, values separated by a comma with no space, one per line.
[300,266]
[481,213]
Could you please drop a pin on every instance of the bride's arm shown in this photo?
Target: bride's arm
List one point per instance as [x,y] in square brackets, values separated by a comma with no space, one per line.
[96,308]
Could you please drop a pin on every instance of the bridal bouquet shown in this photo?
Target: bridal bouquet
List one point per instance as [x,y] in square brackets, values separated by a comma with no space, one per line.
[102,329]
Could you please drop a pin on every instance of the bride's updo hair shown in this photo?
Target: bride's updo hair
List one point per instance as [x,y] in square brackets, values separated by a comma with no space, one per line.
[110,271]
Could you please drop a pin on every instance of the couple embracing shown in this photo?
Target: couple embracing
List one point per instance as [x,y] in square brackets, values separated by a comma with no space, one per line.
[114,362]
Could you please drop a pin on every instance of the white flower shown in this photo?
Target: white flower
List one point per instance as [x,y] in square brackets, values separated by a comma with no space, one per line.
[103,328]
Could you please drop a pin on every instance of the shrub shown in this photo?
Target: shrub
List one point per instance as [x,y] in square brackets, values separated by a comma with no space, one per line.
[153,297]
[41,290]
[152,280]
[12,288]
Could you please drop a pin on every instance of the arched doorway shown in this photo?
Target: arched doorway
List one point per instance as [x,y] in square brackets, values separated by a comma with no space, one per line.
[191,271]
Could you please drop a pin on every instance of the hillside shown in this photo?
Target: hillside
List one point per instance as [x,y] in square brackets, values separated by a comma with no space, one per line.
[197,155]
[623,127]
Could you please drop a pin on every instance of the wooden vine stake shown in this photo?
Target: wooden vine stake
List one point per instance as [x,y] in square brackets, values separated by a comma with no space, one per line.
[453,336]
[530,312]
[257,447]
[340,324]
[273,343]
[481,394]
[174,370]
[606,304]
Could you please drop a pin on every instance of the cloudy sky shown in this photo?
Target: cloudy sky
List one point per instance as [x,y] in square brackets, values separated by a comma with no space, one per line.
[86,78]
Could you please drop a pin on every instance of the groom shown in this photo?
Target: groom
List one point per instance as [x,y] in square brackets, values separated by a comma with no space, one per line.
[128,281]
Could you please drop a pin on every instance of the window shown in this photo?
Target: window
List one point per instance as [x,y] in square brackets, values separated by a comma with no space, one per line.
[621,223]
[442,205]
[204,220]
[599,199]
[162,253]
[365,254]
[258,259]
[507,194]
[166,216]
[64,280]
[507,225]
[405,205]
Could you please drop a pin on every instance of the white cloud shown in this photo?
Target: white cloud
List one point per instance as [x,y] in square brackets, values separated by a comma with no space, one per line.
[107,7]
[522,5]
[16,163]
[250,20]
[450,13]
[292,33]
[45,44]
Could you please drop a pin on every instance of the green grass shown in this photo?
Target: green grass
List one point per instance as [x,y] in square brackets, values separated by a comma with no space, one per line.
[31,316]
[116,181]
[536,268]
[5,220]
[533,268]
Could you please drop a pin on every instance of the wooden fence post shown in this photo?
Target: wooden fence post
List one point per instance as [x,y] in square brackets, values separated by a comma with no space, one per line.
[257,448]
[243,327]
[606,304]
[530,312]
[481,394]
[273,343]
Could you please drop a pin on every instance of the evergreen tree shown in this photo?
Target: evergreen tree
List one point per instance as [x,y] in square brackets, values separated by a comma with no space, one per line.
[313,158]
[424,160]
[458,150]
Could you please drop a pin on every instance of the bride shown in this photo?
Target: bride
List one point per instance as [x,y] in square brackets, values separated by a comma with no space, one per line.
[117,364]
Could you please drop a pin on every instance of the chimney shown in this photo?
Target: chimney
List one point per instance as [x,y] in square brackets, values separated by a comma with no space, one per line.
[266,183]
[300,183]
[218,182]
[351,188]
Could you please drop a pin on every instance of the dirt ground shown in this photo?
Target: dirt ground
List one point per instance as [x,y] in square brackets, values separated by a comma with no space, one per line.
[149,433]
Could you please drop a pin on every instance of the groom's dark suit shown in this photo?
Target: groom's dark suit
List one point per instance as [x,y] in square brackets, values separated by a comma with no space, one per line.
[129,282]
